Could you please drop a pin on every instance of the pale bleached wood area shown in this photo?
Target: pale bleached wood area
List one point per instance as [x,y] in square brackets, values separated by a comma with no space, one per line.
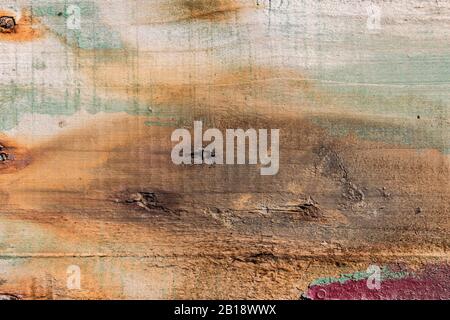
[87,108]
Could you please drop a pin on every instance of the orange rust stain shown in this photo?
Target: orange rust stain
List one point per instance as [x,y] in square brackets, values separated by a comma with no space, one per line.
[211,10]
[25,30]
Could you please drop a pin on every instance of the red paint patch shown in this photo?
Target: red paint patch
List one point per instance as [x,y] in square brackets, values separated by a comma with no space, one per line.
[433,283]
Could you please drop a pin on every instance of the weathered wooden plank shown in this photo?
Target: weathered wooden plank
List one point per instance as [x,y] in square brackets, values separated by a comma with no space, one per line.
[90,95]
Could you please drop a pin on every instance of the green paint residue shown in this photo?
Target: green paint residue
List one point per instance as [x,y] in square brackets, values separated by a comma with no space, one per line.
[93,34]
[16,100]
[386,274]
[402,87]
[395,69]
[164,119]
[420,135]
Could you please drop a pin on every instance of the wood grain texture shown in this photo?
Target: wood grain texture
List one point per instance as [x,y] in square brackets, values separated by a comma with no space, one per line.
[87,116]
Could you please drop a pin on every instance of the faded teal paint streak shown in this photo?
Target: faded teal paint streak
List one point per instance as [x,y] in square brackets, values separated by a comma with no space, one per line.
[93,33]
[419,135]
[17,100]
[386,273]
[401,88]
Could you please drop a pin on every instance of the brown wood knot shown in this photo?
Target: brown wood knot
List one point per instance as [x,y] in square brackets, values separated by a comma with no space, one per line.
[13,158]
[147,200]
[310,207]
[308,210]
[7,24]
[5,156]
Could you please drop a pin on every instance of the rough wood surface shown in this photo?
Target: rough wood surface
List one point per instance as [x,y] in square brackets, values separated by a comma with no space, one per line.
[86,117]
